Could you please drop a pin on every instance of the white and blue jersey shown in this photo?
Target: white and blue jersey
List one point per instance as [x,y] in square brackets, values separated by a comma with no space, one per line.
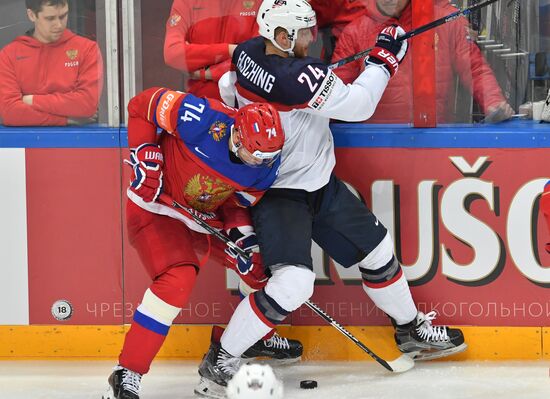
[308,95]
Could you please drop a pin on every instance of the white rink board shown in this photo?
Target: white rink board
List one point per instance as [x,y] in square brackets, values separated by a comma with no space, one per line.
[14,290]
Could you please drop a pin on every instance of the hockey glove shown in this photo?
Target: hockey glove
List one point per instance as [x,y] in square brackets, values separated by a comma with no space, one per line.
[255,278]
[147,162]
[245,238]
[388,51]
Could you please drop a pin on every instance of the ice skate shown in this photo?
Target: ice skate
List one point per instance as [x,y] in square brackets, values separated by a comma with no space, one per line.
[123,384]
[422,341]
[216,369]
[282,350]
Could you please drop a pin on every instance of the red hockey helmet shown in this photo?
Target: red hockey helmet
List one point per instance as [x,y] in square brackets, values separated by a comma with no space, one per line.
[259,130]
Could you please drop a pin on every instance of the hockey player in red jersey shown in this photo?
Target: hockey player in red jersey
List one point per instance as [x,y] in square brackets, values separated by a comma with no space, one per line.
[307,201]
[215,161]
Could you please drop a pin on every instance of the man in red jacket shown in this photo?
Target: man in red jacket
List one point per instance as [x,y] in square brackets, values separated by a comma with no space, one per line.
[50,76]
[201,36]
[456,54]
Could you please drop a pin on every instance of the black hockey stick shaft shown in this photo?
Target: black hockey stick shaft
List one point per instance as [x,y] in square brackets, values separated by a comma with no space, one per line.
[340,328]
[166,199]
[414,32]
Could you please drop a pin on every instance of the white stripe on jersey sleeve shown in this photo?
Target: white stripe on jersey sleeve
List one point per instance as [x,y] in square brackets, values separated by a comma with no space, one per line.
[227,88]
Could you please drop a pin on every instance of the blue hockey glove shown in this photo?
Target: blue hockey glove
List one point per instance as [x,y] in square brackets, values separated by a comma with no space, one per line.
[245,238]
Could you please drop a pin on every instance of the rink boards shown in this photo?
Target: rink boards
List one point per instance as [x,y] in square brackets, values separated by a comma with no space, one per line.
[461,204]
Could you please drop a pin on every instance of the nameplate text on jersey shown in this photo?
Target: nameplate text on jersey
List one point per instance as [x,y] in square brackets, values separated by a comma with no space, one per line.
[255,73]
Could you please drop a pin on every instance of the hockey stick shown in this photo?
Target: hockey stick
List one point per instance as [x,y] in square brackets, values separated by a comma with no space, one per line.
[414,32]
[401,364]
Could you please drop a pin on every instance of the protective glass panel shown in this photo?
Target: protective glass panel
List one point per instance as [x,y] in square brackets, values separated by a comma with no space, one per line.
[51,64]
[497,66]
[185,45]
[356,32]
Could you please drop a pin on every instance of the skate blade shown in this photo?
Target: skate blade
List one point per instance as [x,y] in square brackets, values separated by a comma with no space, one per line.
[423,356]
[109,394]
[209,389]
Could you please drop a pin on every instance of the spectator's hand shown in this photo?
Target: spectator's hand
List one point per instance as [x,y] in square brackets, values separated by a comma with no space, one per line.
[388,51]
[82,121]
[27,99]
[147,162]
[202,74]
[498,113]
[212,72]
[471,34]
[232,48]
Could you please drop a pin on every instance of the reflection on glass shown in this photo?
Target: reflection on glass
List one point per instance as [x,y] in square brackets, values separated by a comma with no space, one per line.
[488,67]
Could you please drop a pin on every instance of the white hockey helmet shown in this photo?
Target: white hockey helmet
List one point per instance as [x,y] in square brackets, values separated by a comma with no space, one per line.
[255,381]
[291,15]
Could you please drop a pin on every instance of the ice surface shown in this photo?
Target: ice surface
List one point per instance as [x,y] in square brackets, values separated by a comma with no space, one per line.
[175,380]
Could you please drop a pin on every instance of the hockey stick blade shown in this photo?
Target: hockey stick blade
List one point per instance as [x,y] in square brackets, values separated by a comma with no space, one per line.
[399,365]
[414,32]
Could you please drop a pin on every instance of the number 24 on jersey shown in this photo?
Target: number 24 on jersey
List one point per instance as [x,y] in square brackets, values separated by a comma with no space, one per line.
[317,74]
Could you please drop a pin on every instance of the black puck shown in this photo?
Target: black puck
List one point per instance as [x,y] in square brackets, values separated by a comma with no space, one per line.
[308,384]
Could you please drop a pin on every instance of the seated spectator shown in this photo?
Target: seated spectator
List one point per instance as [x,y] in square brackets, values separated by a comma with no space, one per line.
[201,36]
[50,76]
[456,54]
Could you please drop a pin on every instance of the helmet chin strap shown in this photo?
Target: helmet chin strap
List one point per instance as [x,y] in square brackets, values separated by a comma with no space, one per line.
[289,51]
[234,148]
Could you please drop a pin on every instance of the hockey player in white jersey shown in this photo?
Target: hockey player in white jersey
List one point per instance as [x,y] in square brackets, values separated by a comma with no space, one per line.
[307,201]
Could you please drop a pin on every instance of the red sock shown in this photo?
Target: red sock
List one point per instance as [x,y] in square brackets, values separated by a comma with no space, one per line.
[140,348]
[148,331]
